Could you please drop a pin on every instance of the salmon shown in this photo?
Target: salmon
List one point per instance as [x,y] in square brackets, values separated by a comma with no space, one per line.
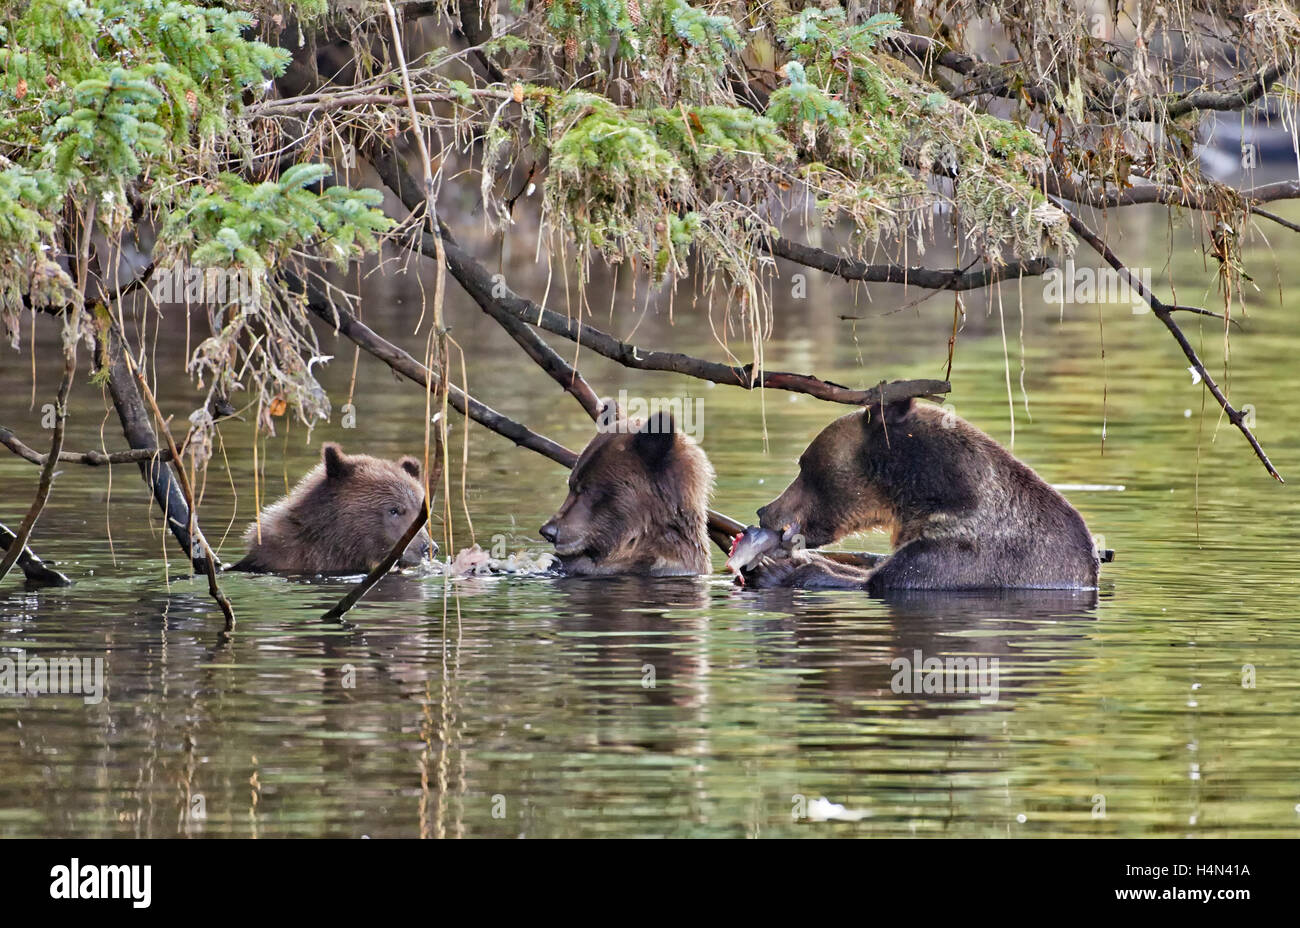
[748,547]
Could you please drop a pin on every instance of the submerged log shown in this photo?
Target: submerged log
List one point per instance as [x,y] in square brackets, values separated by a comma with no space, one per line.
[35,569]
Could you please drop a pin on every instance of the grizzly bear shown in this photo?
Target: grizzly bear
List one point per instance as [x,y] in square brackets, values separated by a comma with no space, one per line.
[638,502]
[341,518]
[963,513]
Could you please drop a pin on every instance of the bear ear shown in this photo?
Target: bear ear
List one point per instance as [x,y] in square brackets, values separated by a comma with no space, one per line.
[410,465]
[654,438]
[893,413]
[336,463]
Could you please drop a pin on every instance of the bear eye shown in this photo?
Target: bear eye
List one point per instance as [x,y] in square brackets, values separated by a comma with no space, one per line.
[394,511]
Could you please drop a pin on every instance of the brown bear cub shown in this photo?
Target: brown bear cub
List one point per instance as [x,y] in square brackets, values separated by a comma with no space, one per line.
[341,518]
[964,514]
[638,503]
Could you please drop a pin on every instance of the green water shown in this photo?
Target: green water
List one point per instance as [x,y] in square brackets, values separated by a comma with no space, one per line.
[525,706]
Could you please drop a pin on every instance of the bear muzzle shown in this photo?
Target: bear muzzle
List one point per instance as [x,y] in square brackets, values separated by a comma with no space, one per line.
[420,548]
[564,547]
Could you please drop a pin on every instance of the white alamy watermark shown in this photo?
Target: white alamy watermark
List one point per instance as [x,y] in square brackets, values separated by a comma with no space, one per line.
[38,676]
[104,881]
[621,416]
[952,675]
[210,286]
[1097,285]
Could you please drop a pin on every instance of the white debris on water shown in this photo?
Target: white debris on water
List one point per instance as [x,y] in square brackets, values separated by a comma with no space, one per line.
[475,562]
[823,810]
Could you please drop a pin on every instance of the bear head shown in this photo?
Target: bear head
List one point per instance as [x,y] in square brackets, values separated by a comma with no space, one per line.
[845,480]
[369,503]
[637,502]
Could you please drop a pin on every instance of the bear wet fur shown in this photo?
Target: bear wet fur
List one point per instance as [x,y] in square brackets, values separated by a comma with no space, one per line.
[963,513]
[343,517]
[637,504]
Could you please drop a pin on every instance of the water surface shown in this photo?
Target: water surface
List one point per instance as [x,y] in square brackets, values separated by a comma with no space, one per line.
[523,706]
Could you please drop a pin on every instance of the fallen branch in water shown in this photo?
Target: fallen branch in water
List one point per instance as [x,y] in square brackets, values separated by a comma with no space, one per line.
[1164,313]
[35,569]
[17,546]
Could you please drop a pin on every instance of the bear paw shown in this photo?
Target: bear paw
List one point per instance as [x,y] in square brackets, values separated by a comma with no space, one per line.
[803,570]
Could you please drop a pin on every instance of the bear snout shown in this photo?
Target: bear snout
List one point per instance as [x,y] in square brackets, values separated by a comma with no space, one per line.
[568,541]
[779,519]
[421,547]
[772,518]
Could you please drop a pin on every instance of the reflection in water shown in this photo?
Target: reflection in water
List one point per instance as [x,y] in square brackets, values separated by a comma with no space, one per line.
[1014,638]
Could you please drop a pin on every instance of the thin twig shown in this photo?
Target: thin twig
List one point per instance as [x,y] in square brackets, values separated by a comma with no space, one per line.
[1164,313]
[440,280]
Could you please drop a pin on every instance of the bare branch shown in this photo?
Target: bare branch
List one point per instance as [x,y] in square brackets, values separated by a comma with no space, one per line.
[209,556]
[997,80]
[546,357]
[475,278]
[1167,195]
[89,458]
[139,433]
[1245,92]
[924,277]
[348,325]
[1164,313]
